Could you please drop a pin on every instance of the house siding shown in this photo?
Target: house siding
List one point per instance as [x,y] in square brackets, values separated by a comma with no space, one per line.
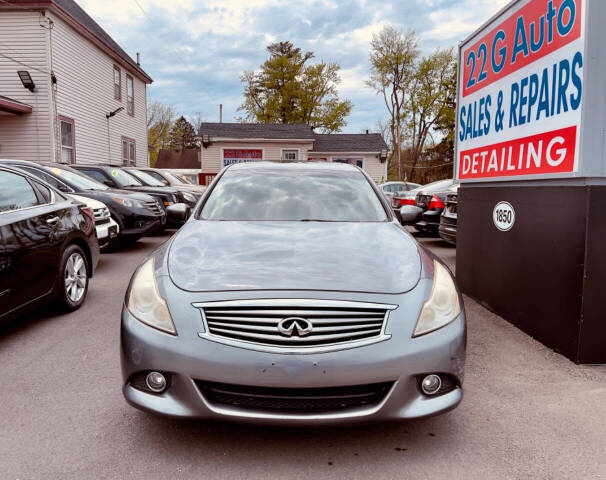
[85,93]
[372,165]
[29,136]
[272,151]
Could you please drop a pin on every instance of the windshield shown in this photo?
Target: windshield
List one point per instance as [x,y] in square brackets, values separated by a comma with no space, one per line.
[437,186]
[124,179]
[77,179]
[295,195]
[176,179]
[146,178]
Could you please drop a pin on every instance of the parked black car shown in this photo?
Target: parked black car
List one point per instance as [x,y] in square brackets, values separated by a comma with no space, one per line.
[431,200]
[190,198]
[172,180]
[137,214]
[117,177]
[448,220]
[48,245]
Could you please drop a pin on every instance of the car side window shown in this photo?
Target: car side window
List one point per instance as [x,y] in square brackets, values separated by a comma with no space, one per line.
[157,176]
[96,174]
[44,193]
[43,176]
[15,192]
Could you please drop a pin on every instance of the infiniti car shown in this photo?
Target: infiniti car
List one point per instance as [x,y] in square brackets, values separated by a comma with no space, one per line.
[293,296]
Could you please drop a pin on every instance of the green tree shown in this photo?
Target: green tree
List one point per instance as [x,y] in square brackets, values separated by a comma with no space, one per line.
[182,134]
[287,89]
[431,104]
[393,60]
[159,122]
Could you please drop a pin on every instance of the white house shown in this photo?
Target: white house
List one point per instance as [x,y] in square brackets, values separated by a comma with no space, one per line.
[68,92]
[227,143]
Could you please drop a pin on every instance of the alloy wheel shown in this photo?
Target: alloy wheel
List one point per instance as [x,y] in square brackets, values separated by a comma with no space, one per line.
[75,277]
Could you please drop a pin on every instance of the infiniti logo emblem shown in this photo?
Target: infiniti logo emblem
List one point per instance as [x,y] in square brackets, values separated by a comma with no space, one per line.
[296,326]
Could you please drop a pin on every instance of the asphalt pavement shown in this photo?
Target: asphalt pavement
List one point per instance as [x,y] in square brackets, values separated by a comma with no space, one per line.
[527,412]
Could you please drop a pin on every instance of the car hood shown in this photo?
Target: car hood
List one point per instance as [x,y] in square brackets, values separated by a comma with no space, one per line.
[353,257]
[118,192]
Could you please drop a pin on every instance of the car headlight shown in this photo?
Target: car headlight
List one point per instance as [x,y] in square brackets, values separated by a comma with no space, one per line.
[188,197]
[127,202]
[442,306]
[145,303]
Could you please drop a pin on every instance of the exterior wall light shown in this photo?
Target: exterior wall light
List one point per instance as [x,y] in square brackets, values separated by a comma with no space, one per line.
[383,155]
[205,140]
[26,80]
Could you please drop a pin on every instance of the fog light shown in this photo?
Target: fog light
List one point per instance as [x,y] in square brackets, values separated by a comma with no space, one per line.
[431,384]
[156,382]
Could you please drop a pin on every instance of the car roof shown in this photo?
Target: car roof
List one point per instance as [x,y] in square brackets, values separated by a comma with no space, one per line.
[294,166]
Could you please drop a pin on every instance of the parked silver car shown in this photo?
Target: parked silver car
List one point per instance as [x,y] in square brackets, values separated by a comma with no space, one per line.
[293,296]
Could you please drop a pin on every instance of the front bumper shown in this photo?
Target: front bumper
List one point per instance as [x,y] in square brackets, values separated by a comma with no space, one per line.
[106,232]
[187,358]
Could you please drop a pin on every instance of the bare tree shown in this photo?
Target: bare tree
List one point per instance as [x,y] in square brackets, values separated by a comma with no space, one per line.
[393,56]
[197,120]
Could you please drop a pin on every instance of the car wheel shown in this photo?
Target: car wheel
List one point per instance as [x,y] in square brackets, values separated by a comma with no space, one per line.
[73,279]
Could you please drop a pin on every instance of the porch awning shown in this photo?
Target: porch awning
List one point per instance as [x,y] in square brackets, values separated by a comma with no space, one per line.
[10,106]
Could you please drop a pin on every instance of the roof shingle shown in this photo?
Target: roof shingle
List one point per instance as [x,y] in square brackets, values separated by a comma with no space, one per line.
[267,131]
[349,142]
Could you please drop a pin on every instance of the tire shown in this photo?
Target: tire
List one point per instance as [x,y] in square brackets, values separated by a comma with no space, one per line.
[72,280]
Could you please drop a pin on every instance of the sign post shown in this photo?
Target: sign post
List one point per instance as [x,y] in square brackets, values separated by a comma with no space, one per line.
[530,154]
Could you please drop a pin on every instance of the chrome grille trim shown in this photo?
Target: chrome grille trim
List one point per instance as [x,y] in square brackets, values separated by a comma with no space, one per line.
[253,324]
[154,207]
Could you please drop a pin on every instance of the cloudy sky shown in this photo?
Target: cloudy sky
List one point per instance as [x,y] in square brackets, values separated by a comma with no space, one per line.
[196,50]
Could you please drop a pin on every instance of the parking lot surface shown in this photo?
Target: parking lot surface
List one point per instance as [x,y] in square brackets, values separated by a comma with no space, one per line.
[527,412]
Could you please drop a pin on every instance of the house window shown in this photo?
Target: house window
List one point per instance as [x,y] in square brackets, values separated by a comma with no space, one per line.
[68,144]
[291,155]
[130,97]
[117,83]
[128,152]
[358,161]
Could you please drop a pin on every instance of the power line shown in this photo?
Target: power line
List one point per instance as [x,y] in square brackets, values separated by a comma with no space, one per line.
[429,166]
[24,64]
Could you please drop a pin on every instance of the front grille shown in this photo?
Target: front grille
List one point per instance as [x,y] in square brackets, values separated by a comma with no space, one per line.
[103,221]
[294,400]
[154,207]
[316,325]
[451,198]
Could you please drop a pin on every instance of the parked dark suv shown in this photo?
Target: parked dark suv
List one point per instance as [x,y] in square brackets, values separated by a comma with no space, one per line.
[117,177]
[184,195]
[48,245]
[137,214]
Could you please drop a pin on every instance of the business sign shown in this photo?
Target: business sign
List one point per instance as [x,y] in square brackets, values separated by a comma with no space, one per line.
[520,93]
[241,155]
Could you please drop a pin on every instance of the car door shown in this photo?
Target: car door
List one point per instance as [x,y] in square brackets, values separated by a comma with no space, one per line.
[31,234]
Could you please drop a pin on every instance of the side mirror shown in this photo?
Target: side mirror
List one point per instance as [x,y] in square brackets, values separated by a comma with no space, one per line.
[179,212]
[409,214]
[64,188]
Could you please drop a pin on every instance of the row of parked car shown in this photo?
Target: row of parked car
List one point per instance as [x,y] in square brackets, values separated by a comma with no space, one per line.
[431,208]
[55,219]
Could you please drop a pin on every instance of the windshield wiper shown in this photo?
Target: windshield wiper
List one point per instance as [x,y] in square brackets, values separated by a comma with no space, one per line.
[315,220]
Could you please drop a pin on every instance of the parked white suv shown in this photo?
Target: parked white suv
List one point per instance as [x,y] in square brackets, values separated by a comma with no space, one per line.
[107,228]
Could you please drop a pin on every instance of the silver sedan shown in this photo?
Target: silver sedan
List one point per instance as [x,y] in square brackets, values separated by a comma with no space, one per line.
[293,296]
